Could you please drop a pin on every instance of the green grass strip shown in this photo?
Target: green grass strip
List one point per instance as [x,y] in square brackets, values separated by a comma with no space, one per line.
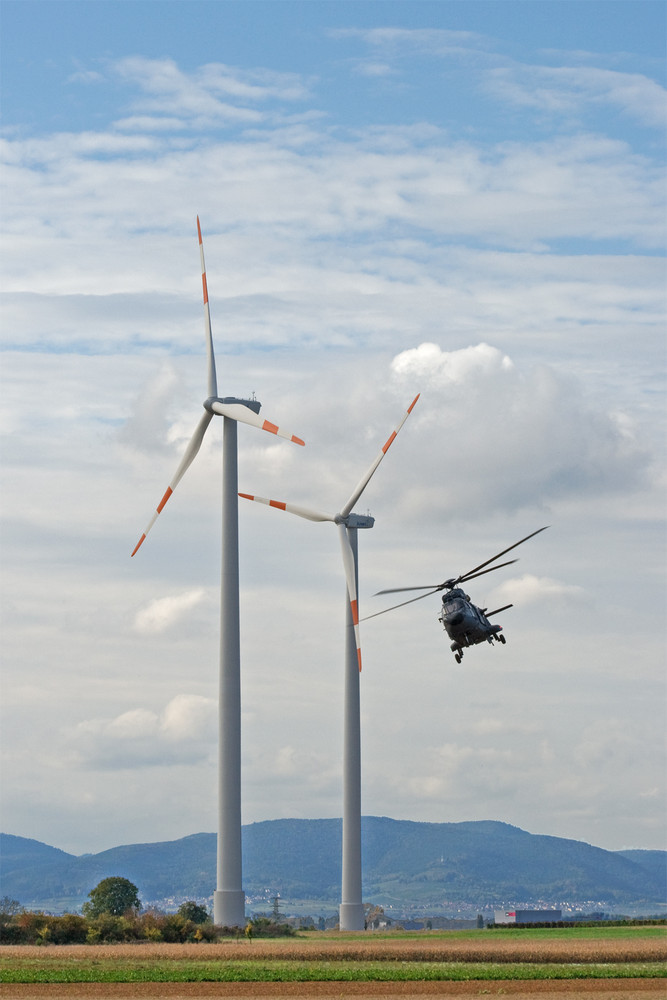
[283,972]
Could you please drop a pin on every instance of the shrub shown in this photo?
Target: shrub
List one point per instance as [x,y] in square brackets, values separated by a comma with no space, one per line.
[68,929]
[177,929]
[263,927]
[109,929]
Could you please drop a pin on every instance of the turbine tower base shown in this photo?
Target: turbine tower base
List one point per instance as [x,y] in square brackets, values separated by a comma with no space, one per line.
[229,908]
[351,917]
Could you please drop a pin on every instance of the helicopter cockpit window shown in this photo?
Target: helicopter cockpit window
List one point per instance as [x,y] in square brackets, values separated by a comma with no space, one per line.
[451,607]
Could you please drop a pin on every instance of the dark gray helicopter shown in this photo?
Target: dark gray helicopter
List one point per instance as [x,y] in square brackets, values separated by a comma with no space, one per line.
[464,622]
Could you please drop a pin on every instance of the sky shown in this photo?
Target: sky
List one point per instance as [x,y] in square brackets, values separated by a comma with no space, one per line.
[461,200]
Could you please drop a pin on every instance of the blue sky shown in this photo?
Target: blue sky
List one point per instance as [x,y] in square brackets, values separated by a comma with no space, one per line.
[364,63]
[464,200]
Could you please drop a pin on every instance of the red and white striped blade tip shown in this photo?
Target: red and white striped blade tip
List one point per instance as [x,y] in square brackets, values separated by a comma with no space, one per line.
[158,510]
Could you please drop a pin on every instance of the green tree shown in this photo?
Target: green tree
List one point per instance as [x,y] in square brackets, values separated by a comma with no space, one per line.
[112,895]
[194,912]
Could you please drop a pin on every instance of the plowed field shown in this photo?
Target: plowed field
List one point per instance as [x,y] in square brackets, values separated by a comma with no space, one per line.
[587,989]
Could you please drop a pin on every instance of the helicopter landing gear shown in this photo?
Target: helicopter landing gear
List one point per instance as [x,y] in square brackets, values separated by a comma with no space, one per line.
[457,651]
[458,657]
[500,638]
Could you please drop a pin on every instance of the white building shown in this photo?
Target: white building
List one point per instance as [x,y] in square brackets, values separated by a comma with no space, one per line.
[526,916]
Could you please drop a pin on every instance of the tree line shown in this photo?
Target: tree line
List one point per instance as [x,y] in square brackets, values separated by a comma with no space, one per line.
[113,914]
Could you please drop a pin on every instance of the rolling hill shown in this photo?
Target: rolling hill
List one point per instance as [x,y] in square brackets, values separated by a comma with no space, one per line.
[439,867]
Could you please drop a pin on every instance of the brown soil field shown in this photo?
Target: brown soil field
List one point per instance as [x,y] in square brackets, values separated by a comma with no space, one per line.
[586,989]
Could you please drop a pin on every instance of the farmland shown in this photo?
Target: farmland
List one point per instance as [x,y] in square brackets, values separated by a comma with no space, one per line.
[609,962]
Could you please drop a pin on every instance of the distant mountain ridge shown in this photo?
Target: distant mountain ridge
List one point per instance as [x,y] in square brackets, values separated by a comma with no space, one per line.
[436,866]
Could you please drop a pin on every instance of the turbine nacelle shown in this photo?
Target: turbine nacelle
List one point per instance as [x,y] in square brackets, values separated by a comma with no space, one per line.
[355,520]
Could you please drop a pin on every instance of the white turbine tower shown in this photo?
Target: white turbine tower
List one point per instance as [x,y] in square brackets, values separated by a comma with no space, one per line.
[351,907]
[229,897]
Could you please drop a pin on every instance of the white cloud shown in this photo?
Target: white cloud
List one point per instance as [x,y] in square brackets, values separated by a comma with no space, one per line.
[147,426]
[163,613]
[406,42]
[182,733]
[530,433]
[571,90]
[430,364]
[529,589]
[214,94]
[187,716]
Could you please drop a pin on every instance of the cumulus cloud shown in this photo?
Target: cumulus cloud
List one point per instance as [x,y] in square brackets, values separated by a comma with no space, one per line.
[163,613]
[182,733]
[188,716]
[515,437]
[429,364]
[530,589]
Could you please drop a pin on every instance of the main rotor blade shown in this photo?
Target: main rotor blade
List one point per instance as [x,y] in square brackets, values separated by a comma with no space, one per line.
[472,576]
[190,452]
[212,380]
[244,415]
[469,574]
[441,586]
[394,606]
[351,580]
[400,590]
[363,483]
[291,508]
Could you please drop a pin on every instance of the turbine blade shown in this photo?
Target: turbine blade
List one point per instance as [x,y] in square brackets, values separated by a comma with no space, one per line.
[394,606]
[212,380]
[363,483]
[237,411]
[351,580]
[291,508]
[190,452]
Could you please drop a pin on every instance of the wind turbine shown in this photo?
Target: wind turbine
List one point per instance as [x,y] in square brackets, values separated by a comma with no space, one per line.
[351,907]
[229,897]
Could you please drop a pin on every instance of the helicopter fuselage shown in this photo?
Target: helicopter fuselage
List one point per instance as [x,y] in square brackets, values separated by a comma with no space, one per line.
[465,623]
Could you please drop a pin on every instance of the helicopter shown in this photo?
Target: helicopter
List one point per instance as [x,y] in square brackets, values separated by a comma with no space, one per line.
[464,623]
